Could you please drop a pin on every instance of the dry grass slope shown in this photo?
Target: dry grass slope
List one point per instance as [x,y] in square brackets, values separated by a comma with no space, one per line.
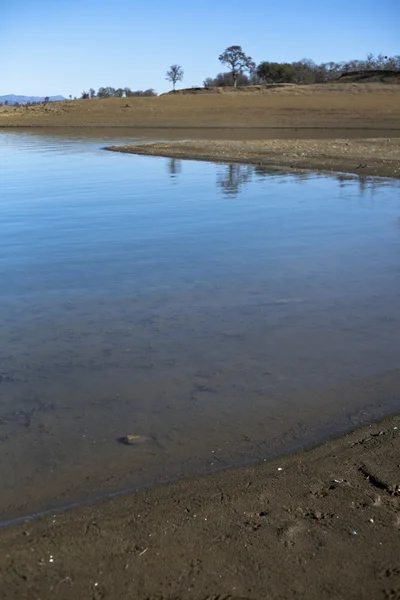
[336,107]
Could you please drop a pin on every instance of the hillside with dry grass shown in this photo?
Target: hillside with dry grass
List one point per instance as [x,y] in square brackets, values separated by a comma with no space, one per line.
[358,108]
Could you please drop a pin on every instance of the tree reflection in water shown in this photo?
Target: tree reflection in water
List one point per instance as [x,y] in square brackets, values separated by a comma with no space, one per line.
[233,178]
[174,167]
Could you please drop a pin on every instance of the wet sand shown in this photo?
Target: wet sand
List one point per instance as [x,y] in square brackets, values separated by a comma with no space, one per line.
[319,524]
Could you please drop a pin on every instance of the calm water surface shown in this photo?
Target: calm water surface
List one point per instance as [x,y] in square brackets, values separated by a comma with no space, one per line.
[224,312]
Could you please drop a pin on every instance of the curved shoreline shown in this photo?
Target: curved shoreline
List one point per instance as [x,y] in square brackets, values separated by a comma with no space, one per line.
[282,529]
[321,523]
[363,157]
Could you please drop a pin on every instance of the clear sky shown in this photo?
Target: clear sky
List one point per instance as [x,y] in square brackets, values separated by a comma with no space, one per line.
[50,47]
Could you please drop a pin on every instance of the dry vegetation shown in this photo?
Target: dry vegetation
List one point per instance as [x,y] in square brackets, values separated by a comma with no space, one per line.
[352,107]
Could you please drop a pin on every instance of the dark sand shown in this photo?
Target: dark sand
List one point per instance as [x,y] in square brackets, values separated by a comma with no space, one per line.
[320,524]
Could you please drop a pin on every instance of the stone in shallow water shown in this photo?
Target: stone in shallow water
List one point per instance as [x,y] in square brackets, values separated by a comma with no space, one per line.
[134,440]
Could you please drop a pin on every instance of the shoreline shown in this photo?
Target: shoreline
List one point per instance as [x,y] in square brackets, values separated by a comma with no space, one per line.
[375,157]
[280,529]
[319,523]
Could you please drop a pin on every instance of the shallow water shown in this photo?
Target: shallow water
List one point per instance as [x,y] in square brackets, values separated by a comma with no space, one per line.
[226,313]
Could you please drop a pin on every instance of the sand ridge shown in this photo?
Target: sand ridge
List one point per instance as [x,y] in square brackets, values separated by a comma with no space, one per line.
[362,157]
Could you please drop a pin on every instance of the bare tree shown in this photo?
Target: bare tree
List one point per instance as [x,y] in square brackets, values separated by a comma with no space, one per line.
[237,61]
[174,74]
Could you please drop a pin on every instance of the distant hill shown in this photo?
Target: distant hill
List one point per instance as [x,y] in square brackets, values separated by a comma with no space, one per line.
[14,99]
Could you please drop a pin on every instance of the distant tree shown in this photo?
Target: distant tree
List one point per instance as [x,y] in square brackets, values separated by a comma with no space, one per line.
[393,62]
[85,95]
[46,100]
[106,92]
[226,80]
[149,92]
[304,71]
[208,82]
[237,61]
[253,77]
[119,92]
[272,72]
[70,96]
[92,93]
[174,74]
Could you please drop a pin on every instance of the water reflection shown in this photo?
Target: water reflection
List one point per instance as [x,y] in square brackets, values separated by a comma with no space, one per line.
[138,302]
[174,166]
[233,177]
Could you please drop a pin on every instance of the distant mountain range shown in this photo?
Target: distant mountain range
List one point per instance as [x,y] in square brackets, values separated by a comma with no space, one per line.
[14,99]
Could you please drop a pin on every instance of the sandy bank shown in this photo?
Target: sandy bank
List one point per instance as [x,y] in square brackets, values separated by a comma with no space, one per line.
[320,524]
[315,110]
[362,157]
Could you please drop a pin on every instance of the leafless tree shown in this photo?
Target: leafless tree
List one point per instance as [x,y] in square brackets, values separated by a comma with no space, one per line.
[174,74]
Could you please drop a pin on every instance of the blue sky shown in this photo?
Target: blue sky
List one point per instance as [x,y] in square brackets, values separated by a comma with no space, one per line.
[64,46]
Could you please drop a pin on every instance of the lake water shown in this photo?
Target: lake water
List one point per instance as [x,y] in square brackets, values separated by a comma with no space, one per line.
[226,313]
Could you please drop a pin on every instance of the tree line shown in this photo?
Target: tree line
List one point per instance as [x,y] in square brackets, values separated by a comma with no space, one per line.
[110,92]
[174,74]
[45,100]
[242,71]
